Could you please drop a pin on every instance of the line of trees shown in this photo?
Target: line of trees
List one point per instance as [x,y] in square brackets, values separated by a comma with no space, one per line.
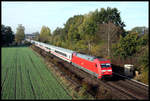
[85,33]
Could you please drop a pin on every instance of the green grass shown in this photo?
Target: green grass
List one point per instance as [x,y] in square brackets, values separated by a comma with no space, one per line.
[25,76]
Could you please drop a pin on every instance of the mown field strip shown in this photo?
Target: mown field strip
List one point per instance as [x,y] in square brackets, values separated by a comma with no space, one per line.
[25,76]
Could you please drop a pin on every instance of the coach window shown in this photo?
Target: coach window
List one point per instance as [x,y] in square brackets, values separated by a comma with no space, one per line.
[60,53]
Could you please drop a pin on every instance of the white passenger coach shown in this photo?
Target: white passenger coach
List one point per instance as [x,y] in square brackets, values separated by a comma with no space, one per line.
[62,53]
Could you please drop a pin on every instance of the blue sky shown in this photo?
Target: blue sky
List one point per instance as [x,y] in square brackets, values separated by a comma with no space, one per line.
[33,15]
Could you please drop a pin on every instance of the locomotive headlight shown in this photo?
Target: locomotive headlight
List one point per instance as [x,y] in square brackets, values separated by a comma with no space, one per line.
[103,70]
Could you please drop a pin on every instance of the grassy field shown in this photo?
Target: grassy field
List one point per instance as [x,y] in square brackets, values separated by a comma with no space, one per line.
[25,76]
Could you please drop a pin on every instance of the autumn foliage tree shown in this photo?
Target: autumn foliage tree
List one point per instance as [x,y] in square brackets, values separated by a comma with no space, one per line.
[45,34]
[20,34]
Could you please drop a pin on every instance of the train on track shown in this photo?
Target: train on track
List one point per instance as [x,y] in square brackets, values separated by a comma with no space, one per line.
[99,67]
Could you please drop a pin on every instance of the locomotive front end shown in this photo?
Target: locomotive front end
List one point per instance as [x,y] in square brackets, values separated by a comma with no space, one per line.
[104,68]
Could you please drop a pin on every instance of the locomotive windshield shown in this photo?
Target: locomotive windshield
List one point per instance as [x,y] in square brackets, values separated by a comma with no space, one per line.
[105,65]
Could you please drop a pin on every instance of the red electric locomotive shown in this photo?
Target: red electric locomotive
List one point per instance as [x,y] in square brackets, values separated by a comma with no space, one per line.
[98,67]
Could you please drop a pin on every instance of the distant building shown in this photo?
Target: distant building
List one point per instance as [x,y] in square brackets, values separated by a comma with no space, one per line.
[29,36]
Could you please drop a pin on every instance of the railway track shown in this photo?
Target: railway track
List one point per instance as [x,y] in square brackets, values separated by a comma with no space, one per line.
[135,89]
[117,92]
[119,86]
